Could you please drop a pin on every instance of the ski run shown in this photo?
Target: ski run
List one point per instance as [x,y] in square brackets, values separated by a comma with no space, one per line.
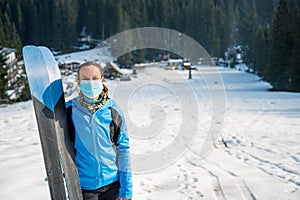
[261,130]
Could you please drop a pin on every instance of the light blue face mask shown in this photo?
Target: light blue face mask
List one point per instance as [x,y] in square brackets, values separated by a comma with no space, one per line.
[91,88]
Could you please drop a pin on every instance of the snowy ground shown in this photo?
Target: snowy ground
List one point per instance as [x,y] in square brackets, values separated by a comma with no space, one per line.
[261,129]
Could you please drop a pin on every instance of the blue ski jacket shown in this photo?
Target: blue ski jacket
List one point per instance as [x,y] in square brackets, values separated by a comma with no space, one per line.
[102,147]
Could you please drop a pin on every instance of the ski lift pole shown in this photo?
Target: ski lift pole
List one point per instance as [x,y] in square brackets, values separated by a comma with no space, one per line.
[190,72]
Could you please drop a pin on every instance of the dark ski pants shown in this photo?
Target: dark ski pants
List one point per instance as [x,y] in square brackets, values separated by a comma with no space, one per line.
[108,192]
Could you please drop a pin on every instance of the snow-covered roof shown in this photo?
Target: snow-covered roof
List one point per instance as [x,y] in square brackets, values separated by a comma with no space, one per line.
[175,60]
[7,51]
[118,69]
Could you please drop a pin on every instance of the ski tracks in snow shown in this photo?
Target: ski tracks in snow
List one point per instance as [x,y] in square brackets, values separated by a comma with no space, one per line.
[224,184]
[262,160]
[262,153]
[274,154]
[275,163]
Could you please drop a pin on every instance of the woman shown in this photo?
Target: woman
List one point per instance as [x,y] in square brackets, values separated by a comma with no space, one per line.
[100,139]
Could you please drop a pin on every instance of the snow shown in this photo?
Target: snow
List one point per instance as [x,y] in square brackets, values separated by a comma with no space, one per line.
[261,130]
[98,54]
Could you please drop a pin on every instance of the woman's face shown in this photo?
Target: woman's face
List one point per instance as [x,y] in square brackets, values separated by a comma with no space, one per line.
[90,73]
[90,81]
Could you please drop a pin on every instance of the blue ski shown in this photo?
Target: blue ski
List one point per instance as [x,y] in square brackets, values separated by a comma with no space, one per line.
[49,104]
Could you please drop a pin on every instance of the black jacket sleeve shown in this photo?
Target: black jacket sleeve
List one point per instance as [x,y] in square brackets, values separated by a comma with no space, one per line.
[71,125]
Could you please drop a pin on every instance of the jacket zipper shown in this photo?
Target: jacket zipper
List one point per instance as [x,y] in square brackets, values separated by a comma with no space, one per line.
[94,144]
[95,148]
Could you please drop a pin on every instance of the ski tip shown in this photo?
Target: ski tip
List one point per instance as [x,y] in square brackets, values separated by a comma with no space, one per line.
[28,48]
[43,75]
[44,48]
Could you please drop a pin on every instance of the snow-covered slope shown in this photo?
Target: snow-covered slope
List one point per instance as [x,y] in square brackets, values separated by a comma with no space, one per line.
[261,130]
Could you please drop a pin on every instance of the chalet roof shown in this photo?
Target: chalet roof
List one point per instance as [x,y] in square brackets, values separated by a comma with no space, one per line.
[7,51]
[117,68]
